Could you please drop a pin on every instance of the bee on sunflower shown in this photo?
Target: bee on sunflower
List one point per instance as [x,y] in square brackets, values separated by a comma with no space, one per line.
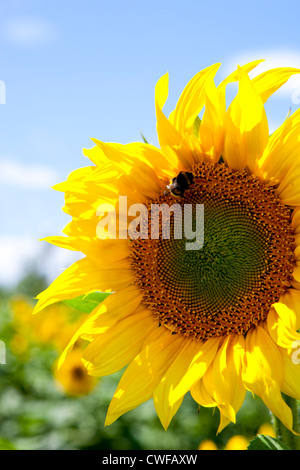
[218,321]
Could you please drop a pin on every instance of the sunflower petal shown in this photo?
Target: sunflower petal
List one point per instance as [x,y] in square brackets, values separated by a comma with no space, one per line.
[82,278]
[223,380]
[201,395]
[246,127]
[118,345]
[234,76]
[192,99]
[188,367]
[291,361]
[271,80]
[227,367]
[164,410]
[143,374]
[292,299]
[211,130]
[263,373]
[170,139]
[113,309]
[281,324]
[125,157]
[289,187]
[108,250]
[167,133]
[282,150]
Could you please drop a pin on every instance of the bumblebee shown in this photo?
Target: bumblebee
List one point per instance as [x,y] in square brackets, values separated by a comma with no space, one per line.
[180,184]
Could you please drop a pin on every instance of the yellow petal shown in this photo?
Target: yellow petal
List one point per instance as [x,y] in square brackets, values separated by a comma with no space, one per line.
[270,81]
[279,326]
[108,251]
[227,370]
[201,395]
[291,298]
[296,221]
[246,127]
[223,380]
[234,76]
[286,315]
[291,362]
[205,392]
[224,420]
[192,99]
[263,373]
[82,278]
[118,345]
[189,366]
[211,130]
[125,157]
[164,410]
[282,149]
[144,373]
[113,309]
[289,188]
[167,133]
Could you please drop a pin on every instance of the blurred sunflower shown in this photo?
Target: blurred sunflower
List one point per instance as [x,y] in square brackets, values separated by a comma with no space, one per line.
[266,429]
[216,321]
[237,443]
[207,444]
[73,377]
[54,326]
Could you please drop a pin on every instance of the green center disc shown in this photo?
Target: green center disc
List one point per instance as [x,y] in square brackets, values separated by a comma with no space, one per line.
[225,269]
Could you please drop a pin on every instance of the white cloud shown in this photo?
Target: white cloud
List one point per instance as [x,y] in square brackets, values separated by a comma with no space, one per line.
[17,174]
[272,59]
[17,253]
[29,31]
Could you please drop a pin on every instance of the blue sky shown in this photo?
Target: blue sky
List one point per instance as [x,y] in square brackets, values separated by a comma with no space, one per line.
[74,69]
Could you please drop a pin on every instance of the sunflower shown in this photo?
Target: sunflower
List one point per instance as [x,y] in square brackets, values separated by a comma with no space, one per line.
[216,321]
[55,325]
[72,377]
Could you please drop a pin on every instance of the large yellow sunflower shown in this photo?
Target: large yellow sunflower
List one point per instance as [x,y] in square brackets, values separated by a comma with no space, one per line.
[216,321]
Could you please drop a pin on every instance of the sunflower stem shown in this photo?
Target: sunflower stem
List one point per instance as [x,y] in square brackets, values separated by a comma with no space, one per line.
[289,438]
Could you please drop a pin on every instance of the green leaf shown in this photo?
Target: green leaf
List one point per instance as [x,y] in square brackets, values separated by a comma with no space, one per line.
[261,442]
[144,138]
[87,303]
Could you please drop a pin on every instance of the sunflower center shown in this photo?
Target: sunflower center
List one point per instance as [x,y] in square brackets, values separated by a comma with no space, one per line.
[78,373]
[243,267]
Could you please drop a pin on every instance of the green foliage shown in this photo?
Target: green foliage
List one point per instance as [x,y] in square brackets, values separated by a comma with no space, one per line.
[261,442]
[87,303]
